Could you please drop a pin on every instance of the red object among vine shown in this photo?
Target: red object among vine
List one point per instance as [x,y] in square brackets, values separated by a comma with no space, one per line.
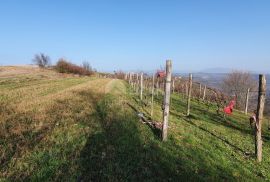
[229,108]
[161,74]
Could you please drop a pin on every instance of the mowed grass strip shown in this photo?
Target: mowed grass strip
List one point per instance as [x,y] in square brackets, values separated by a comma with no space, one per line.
[32,121]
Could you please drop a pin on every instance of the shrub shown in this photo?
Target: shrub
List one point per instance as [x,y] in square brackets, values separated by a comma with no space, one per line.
[64,66]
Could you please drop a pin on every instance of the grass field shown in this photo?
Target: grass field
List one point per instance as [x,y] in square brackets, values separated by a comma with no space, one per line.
[63,128]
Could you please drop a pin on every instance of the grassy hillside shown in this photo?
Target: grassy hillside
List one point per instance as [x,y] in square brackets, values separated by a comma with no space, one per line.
[207,147]
[63,128]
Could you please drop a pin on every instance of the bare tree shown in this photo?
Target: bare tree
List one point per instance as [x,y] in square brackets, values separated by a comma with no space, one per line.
[42,60]
[237,83]
[86,65]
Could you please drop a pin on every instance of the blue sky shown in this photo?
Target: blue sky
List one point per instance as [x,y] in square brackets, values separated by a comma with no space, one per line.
[138,34]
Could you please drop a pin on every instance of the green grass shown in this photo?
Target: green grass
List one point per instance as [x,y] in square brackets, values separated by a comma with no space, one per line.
[209,147]
[83,129]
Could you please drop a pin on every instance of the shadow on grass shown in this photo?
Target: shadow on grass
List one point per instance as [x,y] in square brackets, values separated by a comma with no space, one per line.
[17,134]
[210,117]
[191,117]
[156,130]
[213,134]
[124,150]
[119,148]
[21,132]
[229,122]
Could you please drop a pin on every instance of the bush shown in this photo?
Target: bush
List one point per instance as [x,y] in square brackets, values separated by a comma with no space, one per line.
[64,66]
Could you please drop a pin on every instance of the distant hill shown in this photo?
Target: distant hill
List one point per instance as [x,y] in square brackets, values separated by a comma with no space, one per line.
[215,79]
[217,70]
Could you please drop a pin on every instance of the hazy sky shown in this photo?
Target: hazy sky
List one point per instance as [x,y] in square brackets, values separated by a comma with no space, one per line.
[138,34]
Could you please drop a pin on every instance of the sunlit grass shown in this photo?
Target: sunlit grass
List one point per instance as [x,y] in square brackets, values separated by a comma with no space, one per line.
[83,129]
[212,148]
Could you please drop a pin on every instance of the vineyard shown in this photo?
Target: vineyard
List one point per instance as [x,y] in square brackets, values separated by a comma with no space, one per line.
[61,127]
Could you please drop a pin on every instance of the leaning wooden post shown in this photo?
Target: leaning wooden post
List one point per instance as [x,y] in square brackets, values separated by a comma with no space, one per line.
[247,99]
[166,102]
[189,94]
[152,101]
[259,118]
[204,92]
[141,87]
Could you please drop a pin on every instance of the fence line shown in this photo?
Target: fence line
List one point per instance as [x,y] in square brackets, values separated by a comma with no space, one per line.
[189,89]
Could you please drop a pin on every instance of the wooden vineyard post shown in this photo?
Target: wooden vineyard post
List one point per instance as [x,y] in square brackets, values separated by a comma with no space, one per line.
[247,99]
[162,86]
[148,84]
[204,92]
[152,101]
[200,95]
[166,102]
[137,83]
[128,76]
[189,94]
[157,87]
[141,87]
[186,89]
[131,80]
[173,86]
[133,83]
[259,118]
